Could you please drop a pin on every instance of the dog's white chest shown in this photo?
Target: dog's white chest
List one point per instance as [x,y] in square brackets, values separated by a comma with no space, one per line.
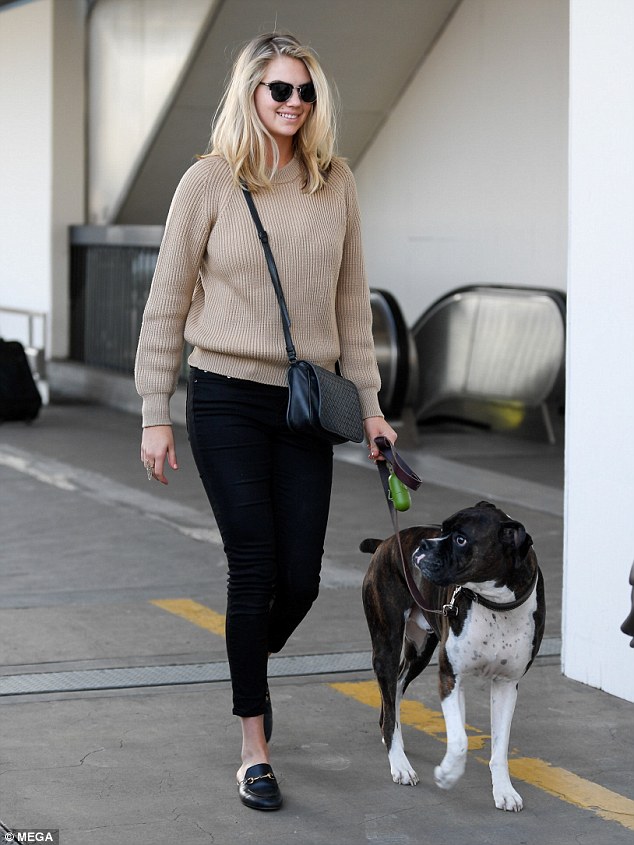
[494,644]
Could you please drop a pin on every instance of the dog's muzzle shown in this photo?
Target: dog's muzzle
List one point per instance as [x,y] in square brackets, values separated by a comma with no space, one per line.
[424,551]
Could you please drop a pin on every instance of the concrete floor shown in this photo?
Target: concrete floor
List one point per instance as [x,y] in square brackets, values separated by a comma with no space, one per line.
[88,545]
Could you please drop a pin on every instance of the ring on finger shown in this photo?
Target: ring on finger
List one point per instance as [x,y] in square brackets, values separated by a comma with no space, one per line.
[149,468]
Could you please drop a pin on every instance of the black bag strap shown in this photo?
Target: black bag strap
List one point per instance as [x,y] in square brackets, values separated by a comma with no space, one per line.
[264,240]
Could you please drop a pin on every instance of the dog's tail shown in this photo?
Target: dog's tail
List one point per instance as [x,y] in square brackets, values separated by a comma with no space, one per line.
[369,545]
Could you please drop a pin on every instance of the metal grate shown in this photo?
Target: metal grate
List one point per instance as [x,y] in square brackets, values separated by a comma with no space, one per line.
[109,288]
[196,673]
[190,673]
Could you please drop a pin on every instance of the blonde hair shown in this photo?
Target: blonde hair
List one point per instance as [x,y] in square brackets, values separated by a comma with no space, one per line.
[239,135]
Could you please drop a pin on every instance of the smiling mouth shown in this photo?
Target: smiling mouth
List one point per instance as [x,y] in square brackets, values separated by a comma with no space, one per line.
[287,115]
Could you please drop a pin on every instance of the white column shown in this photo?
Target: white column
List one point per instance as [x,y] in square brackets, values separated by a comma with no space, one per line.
[42,161]
[599,506]
[68,153]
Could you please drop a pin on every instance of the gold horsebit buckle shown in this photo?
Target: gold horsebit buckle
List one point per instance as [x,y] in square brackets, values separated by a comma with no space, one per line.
[268,776]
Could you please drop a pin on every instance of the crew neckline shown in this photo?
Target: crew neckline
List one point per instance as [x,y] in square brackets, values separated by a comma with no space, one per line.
[289,172]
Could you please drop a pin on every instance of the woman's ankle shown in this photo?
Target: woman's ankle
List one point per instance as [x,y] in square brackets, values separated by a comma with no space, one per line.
[254,746]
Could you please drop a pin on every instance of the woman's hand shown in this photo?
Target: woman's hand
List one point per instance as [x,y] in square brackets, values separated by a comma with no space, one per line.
[157,443]
[376,427]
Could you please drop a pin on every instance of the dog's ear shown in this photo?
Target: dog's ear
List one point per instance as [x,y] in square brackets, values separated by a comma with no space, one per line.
[514,534]
[369,545]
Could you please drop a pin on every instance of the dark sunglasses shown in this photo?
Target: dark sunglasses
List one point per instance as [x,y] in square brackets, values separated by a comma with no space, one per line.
[283,91]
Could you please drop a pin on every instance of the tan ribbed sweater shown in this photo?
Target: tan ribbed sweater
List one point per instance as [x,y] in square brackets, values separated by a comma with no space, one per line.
[212,287]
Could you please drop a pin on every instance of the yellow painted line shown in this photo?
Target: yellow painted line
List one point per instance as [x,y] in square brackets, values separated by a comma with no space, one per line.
[413,713]
[558,782]
[195,613]
[575,790]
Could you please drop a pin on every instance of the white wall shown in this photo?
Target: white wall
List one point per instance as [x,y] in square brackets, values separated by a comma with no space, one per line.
[599,503]
[137,51]
[467,181]
[68,154]
[42,161]
[25,163]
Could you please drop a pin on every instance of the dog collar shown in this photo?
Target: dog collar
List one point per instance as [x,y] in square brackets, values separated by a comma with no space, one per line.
[451,609]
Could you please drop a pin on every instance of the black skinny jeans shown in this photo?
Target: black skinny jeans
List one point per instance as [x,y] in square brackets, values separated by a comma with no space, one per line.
[270,493]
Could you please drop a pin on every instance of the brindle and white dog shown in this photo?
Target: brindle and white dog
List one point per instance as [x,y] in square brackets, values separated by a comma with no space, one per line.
[492,626]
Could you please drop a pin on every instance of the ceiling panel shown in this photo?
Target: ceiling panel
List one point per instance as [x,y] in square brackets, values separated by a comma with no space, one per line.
[370,48]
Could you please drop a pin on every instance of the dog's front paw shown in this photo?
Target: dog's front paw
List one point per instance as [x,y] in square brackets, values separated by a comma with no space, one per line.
[407,777]
[448,774]
[401,769]
[505,797]
[508,799]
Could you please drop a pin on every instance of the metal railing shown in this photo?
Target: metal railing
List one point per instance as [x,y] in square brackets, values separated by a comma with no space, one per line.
[111,272]
[395,353]
[490,353]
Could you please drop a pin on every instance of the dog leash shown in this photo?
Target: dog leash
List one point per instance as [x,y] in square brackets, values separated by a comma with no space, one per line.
[394,465]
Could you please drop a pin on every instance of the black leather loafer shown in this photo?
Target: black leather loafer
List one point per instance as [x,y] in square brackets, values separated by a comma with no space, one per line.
[259,789]
[268,717]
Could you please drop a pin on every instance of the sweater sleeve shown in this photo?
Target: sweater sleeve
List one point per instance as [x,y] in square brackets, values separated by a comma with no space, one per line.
[354,314]
[161,340]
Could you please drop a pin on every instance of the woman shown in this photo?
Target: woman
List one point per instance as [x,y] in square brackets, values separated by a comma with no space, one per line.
[268,487]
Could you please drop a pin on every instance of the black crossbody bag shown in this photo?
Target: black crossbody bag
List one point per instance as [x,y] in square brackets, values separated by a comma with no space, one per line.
[320,403]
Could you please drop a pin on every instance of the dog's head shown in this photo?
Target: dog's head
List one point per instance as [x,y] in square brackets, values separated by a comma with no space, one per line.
[476,544]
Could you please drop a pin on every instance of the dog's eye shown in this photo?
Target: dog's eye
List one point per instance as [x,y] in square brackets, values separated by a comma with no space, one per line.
[459,540]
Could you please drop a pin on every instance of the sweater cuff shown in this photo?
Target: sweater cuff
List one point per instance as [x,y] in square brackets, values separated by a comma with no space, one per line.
[156,410]
[369,403]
